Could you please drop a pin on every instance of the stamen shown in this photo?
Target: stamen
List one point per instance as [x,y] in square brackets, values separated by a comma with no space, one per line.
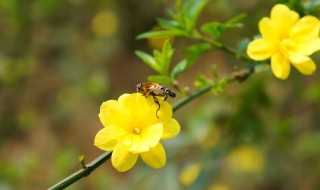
[136,130]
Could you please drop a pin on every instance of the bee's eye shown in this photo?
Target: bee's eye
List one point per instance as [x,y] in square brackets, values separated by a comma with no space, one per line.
[139,86]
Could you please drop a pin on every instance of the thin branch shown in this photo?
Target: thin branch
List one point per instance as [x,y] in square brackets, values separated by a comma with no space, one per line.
[82,173]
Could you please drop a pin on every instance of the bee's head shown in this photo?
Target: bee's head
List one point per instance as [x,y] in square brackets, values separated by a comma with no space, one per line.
[139,87]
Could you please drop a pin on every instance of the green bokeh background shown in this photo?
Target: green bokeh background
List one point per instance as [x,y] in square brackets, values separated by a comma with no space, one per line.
[59,60]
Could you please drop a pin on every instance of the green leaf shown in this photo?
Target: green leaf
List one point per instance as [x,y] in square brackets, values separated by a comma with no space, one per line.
[163,58]
[193,9]
[219,87]
[236,19]
[162,34]
[242,45]
[167,53]
[311,6]
[193,52]
[179,68]
[216,29]
[214,71]
[81,160]
[202,80]
[168,24]
[149,60]
[161,79]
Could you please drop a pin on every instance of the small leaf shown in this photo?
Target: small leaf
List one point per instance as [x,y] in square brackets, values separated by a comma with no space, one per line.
[202,80]
[193,9]
[149,60]
[214,71]
[194,51]
[162,34]
[168,24]
[81,160]
[242,45]
[179,68]
[160,79]
[167,53]
[215,29]
[236,19]
[219,87]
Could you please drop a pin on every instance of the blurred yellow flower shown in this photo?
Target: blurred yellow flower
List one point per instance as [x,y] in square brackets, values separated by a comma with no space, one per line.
[287,39]
[219,187]
[247,159]
[105,24]
[131,128]
[157,43]
[190,173]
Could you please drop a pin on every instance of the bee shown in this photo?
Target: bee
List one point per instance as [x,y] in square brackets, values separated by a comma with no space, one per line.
[154,89]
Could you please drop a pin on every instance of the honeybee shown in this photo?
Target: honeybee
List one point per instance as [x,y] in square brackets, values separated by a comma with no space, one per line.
[154,89]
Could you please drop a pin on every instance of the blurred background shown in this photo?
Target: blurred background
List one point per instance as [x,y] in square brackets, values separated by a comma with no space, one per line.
[59,60]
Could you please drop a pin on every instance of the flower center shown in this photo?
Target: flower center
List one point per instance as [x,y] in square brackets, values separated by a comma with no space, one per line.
[285,46]
[136,130]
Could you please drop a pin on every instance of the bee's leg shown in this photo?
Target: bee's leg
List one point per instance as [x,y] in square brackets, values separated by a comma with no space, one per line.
[146,94]
[157,102]
[165,98]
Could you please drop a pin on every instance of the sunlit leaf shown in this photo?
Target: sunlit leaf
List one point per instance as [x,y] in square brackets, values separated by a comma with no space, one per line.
[219,86]
[179,68]
[194,51]
[202,80]
[167,53]
[216,29]
[193,9]
[236,19]
[168,24]
[162,33]
[149,60]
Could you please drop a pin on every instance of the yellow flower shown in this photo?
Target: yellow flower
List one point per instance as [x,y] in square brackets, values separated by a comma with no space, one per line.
[287,39]
[247,159]
[190,173]
[131,128]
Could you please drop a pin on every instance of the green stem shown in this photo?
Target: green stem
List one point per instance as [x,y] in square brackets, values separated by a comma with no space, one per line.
[82,173]
[191,96]
[234,76]
[197,36]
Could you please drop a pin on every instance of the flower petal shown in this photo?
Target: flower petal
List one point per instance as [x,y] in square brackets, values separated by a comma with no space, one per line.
[111,112]
[308,48]
[152,134]
[137,144]
[123,160]
[280,66]
[260,50]
[142,113]
[305,30]
[104,139]
[156,157]
[283,19]
[306,35]
[303,63]
[267,30]
[170,129]
[133,103]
